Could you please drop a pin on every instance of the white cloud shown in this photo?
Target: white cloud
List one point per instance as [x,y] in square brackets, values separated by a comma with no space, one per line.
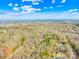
[23,12]
[60,15]
[10,4]
[35,3]
[51,7]
[12,14]
[53,1]
[16,4]
[26,12]
[45,7]
[25,7]
[36,0]
[16,8]
[33,9]
[31,0]
[73,10]
[74,13]
[63,1]
[29,9]
[24,0]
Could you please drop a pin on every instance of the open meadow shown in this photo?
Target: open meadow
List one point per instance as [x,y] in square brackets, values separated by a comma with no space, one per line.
[39,41]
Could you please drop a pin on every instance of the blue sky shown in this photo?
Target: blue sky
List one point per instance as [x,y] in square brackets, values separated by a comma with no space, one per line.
[39,9]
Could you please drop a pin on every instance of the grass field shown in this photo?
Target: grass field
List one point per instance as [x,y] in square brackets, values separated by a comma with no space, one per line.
[39,41]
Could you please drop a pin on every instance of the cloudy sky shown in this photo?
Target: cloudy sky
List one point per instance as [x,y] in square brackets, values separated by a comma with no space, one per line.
[39,9]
